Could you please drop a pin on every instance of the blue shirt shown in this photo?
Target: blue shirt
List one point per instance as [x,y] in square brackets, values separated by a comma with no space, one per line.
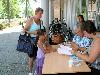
[82,41]
[35,27]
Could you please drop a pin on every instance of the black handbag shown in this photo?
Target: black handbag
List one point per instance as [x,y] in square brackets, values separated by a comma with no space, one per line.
[24,44]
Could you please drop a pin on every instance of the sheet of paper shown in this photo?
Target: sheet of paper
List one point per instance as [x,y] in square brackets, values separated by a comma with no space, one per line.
[64,50]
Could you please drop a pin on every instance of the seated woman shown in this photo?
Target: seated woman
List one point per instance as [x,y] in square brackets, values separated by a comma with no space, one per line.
[80,42]
[93,56]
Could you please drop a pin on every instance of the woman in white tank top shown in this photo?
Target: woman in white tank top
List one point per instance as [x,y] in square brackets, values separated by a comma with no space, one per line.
[32,27]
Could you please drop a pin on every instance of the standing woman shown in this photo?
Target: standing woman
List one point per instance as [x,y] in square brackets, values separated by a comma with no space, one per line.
[32,27]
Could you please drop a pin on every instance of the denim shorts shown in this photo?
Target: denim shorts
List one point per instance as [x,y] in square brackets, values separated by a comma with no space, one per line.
[33,39]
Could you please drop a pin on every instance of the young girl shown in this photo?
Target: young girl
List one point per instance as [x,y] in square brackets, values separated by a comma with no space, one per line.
[40,53]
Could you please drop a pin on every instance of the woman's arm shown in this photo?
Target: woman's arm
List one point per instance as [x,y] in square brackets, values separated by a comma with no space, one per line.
[28,25]
[34,32]
[94,52]
[76,47]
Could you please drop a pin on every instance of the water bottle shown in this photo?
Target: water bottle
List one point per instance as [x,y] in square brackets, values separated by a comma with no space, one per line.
[70,62]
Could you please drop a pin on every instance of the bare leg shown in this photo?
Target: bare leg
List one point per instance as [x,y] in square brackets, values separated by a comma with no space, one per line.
[30,64]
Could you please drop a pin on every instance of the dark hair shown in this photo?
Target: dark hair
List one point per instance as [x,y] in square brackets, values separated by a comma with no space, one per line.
[38,10]
[89,27]
[81,17]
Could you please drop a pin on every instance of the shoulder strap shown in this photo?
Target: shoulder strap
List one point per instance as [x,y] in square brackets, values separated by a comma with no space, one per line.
[41,24]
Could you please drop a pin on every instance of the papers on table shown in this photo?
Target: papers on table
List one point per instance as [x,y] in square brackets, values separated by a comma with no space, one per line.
[64,50]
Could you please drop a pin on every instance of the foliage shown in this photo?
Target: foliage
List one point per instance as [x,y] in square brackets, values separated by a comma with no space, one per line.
[4,25]
[11,8]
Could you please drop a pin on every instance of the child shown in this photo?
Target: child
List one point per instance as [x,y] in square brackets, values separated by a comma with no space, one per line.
[40,53]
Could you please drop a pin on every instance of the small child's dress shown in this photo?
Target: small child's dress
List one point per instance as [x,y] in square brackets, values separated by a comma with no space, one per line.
[39,61]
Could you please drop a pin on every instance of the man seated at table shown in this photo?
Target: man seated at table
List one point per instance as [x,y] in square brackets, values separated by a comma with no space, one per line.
[80,42]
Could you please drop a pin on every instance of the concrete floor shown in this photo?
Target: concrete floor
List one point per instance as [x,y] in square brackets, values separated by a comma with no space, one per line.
[11,61]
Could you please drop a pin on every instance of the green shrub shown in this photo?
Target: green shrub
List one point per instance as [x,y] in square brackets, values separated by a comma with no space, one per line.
[4,25]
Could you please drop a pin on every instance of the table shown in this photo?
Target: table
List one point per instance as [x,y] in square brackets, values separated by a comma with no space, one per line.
[55,63]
